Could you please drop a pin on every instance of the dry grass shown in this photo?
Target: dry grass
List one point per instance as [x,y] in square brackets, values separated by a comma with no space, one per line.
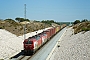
[84,26]
[18,28]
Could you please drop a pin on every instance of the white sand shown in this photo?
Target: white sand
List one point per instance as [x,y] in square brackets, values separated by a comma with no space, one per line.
[73,47]
[10,44]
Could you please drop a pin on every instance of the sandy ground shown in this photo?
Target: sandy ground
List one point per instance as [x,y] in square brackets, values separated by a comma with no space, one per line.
[73,47]
[10,44]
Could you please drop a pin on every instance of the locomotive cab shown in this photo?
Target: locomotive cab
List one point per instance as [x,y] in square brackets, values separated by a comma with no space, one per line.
[28,46]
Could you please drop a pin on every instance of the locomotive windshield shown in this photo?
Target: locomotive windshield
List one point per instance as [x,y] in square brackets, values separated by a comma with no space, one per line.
[44,34]
[29,42]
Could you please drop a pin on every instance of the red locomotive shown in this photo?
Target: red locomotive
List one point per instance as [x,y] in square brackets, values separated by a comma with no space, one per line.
[32,44]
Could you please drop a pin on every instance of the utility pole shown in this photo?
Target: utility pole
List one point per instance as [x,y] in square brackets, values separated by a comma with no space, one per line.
[25,22]
[25,11]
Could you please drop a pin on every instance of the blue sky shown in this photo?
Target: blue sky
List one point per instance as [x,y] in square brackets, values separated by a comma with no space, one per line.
[57,10]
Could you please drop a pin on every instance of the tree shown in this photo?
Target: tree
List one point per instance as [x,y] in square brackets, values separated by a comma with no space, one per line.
[36,21]
[77,21]
[52,21]
[26,20]
[48,21]
[84,20]
[21,19]
[9,20]
[17,19]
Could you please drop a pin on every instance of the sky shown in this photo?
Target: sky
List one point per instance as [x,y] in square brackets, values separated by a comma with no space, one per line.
[57,10]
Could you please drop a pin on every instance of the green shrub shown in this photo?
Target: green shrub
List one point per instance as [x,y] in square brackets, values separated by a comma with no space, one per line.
[85,29]
[1,27]
[77,21]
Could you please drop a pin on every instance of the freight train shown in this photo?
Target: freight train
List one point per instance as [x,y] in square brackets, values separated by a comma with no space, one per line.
[32,44]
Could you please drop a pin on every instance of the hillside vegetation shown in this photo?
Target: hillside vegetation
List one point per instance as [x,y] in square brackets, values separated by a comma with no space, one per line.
[17,28]
[83,26]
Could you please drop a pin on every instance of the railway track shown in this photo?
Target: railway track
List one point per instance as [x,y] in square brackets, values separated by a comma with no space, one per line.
[20,57]
[24,58]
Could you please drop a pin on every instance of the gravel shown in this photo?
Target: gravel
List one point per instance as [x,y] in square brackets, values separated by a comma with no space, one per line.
[73,46]
[10,44]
